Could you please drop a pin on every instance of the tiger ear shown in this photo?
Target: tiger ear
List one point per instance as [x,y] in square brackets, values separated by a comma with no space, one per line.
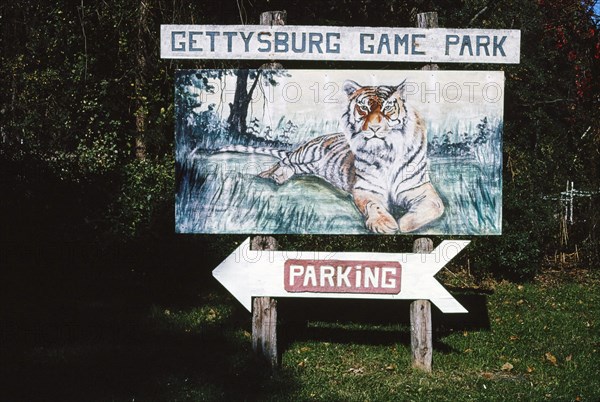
[350,87]
[401,90]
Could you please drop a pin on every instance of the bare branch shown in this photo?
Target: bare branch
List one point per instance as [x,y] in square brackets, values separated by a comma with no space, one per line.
[483,10]
[547,102]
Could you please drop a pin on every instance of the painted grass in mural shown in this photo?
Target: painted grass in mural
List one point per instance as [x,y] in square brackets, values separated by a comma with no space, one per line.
[338,152]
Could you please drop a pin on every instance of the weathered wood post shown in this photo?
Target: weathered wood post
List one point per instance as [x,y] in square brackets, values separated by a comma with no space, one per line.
[264,309]
[421,341]
[264,314]
[421,331]
[273,18]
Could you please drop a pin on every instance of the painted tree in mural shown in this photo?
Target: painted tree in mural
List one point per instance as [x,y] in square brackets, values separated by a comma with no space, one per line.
[243,95]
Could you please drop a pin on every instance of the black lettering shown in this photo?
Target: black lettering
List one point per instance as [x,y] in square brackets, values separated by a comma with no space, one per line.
[295,47]
[400,41]
[415,44]
[482,42]
[451,40]
[192,42]
[466,44]
[332,47]
[281,42]
[265,42]
[498,45]
[315,40]
[370,48]
[229,36]
[181,43]
[246,40]
[384,40]
[212,35]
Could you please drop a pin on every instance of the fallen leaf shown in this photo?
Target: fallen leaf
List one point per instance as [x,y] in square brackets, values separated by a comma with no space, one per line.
[391,367]
[507,367]
[569,358]
[551,358]
[530,369]
[468,350]
[356,370]
[514,338]
[487,375]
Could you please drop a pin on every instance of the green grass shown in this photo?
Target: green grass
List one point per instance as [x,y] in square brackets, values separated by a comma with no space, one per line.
[537,341]
[543,344]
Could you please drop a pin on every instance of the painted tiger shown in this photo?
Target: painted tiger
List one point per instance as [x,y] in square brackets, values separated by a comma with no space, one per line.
[380,158]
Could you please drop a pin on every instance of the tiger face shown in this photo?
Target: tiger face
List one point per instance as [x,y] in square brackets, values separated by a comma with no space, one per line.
[375,114]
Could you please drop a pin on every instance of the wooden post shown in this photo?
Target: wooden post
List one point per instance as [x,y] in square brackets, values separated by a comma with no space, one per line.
[264,314]
[264,309]
[421,331]
[273,18]
[428,20]
[421,341]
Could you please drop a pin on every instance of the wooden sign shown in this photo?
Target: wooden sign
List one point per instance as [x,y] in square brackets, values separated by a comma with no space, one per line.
[352,275]
[339,151]
[340,43]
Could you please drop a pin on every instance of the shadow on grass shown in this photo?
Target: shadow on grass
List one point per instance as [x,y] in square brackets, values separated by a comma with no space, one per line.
[82,324]
[374,322]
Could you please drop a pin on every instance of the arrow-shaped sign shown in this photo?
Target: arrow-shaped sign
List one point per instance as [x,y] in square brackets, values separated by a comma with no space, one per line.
[353,275]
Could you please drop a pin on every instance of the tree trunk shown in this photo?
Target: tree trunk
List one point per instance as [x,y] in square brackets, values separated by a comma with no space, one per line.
[239,107]
[241,102]
[141,106]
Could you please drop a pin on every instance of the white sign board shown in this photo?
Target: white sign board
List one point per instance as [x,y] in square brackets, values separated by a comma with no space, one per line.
[352,275]
[295,42]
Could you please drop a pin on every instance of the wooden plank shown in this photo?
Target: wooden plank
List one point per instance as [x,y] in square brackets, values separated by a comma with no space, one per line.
[264,314]
[273,18]
[421,341]
[421,334]
[278,42]
[264,330]
[264,309]
[429,21]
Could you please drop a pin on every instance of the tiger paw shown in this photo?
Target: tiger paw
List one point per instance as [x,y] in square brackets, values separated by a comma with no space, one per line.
[379,219]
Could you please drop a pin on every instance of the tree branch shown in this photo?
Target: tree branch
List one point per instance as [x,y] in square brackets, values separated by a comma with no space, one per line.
[483,10]
[547,102]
